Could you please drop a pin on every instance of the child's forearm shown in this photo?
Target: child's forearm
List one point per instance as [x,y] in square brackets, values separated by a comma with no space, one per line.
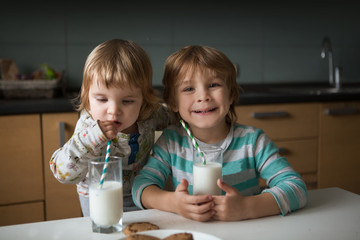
[154,197]
[261,205]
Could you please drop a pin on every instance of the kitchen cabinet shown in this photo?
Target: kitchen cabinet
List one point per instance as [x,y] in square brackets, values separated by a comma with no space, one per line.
[22,213]
[339,145]
[28,190]
[61,200]
[293,128]
[21,171]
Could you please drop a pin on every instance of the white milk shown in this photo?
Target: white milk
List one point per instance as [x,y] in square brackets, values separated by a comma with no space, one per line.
[205,178]
[106,204]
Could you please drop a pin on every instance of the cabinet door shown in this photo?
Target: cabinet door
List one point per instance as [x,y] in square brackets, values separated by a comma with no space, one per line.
[61,200]
[339,145]
[21,174]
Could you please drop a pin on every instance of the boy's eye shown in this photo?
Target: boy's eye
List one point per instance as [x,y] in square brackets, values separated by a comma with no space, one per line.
[188,89]
[214,85]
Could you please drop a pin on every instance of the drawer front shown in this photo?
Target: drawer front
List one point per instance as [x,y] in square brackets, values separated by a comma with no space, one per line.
[282,121]
[301,154]
[22,213]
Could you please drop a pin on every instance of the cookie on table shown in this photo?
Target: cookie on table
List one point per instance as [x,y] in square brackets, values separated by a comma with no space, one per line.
[141,237]
[180,236]
[136,227]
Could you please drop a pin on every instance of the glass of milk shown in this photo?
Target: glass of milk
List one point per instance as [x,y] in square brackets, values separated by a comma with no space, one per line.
[106,200]
[206,175]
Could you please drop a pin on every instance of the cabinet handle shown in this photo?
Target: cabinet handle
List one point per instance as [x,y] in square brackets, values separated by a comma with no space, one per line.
[62,133]
[279,114]
[341,111]
[283,151]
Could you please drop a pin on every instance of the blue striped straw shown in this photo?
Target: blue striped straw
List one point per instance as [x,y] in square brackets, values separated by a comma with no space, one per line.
[193,141]
[106,163]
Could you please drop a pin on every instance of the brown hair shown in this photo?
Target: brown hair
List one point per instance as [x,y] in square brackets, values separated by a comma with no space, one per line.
[119,63]
[192,58]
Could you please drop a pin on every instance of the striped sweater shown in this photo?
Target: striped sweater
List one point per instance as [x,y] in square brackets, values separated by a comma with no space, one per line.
[248,155]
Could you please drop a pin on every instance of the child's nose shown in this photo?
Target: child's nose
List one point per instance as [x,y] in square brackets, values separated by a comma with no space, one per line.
[114,109]
[203,95]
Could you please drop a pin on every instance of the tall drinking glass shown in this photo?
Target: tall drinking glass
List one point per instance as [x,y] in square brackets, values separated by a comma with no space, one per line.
[106,199]
[205,176]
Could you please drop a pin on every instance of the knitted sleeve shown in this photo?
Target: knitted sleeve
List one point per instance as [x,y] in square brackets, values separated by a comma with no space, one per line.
[69,163]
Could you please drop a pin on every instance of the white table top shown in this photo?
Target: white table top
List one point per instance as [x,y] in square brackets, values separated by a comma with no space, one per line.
[331,213]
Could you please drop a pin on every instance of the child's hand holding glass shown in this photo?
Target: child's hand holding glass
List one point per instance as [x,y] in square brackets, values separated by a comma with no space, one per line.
[196,207]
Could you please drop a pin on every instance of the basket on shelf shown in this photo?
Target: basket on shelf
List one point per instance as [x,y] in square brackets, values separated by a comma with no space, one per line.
[42,83]
[36,88]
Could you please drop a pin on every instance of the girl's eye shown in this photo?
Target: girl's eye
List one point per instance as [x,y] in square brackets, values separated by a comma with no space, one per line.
[101,99]
[127,101]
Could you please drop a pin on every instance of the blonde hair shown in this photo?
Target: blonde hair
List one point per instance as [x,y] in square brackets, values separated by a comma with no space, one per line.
[192,58]
[119,63]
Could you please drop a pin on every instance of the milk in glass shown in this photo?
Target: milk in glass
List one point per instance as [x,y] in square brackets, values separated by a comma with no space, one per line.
[205,178]
[106,203]
[205,175]
[106,198]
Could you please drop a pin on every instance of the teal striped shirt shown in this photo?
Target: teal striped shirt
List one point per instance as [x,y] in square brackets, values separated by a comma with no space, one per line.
[248,154]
